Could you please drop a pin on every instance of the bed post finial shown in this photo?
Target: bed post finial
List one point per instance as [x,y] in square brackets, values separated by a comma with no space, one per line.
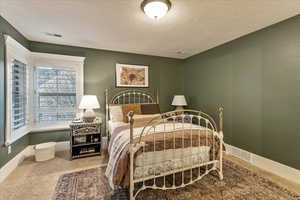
[131,121]
[221,112]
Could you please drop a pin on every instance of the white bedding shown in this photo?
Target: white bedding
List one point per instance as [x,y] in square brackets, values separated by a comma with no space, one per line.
[113,125]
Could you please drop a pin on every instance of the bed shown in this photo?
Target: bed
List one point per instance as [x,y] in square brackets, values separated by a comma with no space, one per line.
[159,151]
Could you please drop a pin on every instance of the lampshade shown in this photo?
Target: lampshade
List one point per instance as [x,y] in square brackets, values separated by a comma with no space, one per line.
[89,102]
[179,100]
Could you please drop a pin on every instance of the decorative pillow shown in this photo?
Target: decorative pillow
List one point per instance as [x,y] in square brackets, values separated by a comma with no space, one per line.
[126,108]
[116,113]
[150,108]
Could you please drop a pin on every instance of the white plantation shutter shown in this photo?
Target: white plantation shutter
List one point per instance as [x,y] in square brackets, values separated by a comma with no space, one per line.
[19,95]
[55,94]
[17,90]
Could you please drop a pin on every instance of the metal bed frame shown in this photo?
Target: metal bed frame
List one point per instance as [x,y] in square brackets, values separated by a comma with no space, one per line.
[183,117]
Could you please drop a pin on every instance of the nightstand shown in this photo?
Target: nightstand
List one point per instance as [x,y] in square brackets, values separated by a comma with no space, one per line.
[85,139]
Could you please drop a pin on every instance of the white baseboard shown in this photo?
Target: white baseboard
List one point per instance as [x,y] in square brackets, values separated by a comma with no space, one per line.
[277,168]
[11,165]
[256,160]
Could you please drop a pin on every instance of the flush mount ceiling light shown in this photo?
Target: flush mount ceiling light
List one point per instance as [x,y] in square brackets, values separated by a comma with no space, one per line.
[156,9]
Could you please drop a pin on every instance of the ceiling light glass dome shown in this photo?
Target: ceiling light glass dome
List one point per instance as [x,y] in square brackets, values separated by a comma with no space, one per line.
[156,9]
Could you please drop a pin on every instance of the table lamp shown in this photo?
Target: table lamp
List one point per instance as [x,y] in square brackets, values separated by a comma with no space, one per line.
[88,103]
[179,101]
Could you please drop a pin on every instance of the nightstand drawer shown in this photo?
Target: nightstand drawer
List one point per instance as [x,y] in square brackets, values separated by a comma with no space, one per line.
[84,130]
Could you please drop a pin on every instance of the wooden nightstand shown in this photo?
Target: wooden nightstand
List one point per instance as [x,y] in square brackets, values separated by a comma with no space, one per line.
[85,139]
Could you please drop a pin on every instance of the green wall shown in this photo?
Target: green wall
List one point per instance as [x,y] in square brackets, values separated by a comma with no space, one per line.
[257,80]
[50,136]
[6,28]
[165,74]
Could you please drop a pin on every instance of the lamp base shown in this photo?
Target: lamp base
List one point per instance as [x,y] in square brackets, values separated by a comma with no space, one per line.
[179,108]
[89,116]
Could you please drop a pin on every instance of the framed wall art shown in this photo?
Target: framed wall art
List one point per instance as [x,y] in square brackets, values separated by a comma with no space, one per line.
[132,75]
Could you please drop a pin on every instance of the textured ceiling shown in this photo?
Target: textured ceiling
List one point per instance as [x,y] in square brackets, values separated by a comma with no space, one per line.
[191,26]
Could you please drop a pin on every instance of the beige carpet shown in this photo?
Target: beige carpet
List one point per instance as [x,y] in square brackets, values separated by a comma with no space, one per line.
[239,184]
[37,180]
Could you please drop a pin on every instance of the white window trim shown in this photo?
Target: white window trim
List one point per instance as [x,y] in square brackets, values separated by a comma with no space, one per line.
[15,50]
[53,60]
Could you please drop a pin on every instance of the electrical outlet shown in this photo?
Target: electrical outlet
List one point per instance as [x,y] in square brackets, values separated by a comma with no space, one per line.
[9,149]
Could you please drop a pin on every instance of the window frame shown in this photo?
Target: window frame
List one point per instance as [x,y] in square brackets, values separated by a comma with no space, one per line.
[59,61]
[15,51]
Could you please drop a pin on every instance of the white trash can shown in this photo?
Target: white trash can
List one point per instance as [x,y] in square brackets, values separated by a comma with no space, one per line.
[45,151]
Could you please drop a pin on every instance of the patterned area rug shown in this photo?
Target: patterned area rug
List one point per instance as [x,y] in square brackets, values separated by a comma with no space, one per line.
[238,184]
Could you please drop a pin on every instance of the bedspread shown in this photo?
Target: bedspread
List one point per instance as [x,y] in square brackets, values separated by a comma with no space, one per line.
[167,136]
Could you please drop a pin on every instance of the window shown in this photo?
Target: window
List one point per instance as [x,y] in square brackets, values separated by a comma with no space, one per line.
[19,95]
[58,88]
[42,90]
[56,94]
[17,90]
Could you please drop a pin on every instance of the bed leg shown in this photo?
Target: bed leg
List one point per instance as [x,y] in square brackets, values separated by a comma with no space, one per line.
[221,112]
[131,186]
[132,152]
[221,157]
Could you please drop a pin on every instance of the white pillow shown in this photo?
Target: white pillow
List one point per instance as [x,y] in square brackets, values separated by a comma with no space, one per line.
[116,113]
